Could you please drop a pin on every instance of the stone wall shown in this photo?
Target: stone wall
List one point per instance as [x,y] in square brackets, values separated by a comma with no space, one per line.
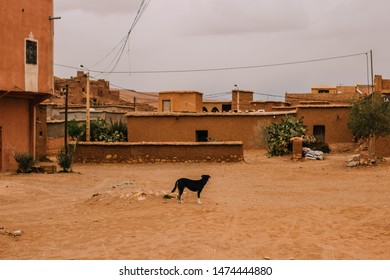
[153,152]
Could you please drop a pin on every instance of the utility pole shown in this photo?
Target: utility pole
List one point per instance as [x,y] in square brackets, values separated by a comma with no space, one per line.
[238,98]
[88,114]
[135,103]
[66,119]
[372,73]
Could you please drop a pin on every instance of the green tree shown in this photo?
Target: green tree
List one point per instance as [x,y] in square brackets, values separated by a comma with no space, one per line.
[74,130]
[369,120]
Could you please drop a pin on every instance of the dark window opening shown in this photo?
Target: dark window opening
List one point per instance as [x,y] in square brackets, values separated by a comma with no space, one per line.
[323,91]
[319,132]
[205,110]
[31,52]
[202,135]
[215,110]
[226,107]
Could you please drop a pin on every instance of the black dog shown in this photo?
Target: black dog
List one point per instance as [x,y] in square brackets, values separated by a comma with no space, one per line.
[192,185]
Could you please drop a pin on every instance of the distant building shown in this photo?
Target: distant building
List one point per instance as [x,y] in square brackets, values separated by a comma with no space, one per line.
[26,77]
[328,94]
[180,101]
[100,93]
[382,86]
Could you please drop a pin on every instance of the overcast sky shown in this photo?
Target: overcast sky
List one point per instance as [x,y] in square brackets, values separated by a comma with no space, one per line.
[176,35]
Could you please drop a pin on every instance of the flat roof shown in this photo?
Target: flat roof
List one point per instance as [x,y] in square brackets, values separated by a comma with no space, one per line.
[177,114]
[180,91]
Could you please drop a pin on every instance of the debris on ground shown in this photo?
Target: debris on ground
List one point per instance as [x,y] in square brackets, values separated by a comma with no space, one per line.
[14,233]
[311,154]
[363,159]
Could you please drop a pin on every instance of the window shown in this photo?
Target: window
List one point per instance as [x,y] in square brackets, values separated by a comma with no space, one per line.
[319,132]
[323,91]
[31,52]
[226,107]
[166,105]
[202,135]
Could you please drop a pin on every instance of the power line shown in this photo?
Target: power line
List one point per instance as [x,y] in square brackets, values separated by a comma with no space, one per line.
[224,68]
[121,46]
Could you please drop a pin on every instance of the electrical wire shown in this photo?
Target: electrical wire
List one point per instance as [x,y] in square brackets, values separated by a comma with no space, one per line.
[121,46]
[224,68]
[144,5]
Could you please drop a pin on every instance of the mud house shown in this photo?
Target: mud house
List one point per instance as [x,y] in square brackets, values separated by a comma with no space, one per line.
[382,86]
[100,92]
[329,94]
[26,76]
[328,123]
[180,101]
[325,111]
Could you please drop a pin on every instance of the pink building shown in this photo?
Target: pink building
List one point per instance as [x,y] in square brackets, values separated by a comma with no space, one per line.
[26,74]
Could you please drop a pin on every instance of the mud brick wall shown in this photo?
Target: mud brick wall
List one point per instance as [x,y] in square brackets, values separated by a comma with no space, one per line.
[154,152]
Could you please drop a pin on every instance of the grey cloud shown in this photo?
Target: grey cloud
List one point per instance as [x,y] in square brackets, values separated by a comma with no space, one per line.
[101,7]
[228,17]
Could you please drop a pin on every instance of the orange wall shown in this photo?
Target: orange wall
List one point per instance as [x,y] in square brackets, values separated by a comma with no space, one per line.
[182,101]
[16,133]
[19,18]
[334,118]
[182,127]
[158,152]
[248,128]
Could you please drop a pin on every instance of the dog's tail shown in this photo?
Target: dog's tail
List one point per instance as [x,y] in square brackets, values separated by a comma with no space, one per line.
[174,189]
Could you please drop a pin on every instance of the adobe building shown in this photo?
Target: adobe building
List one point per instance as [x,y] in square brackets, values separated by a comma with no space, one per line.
[241,100]
[26,76]
[329,94]
[180,101]
[382,86]
[100,93]
[216,106]
[328,123]
[270,106]
[201,127]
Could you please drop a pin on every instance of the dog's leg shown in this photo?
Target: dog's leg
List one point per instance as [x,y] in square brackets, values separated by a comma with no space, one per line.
[179,198]
[199,202]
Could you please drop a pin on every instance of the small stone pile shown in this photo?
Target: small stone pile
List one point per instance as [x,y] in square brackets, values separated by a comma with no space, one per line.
[362,159]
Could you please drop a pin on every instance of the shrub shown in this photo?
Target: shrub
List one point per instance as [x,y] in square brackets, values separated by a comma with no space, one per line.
[25,162]
[65,160]
[278,135]
[99,131]
[116,132]
[74,130]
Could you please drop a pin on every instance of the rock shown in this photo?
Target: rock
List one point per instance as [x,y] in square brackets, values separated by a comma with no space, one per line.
[353,163]
[354,158]
[108,157]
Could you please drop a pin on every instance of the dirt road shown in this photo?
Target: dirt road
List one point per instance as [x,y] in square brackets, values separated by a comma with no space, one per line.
[263,208]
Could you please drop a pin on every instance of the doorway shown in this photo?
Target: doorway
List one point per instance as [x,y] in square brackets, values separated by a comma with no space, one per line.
[319,132]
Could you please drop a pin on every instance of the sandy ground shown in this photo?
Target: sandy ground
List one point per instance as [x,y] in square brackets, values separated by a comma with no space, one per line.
[263,208]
